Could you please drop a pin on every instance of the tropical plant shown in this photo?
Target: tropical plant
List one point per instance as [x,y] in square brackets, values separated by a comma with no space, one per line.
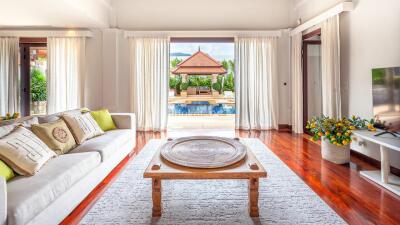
[175,62]
[38,85]
[337,131]
[173,82]
[184,86]
[217,86]
[229,84]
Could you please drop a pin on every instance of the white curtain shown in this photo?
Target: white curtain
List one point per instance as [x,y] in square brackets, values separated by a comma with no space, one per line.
[256,81]
[297,83]
[149,81]
[66,68]
[330,66]
[9,75]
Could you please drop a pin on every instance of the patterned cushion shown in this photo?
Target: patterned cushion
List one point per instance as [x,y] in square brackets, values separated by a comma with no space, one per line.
[24,152]
[83,127]
[27,123]
[56,135]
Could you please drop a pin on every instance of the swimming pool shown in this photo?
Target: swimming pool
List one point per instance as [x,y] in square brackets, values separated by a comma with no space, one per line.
[201,107]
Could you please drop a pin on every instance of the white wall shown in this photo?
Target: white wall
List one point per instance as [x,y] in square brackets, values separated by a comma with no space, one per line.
[370,38]
[55,13]
[202,14]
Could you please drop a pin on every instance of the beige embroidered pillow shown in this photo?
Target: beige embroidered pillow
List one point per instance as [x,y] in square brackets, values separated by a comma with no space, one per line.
[56,135]
[83,127]
[24,152]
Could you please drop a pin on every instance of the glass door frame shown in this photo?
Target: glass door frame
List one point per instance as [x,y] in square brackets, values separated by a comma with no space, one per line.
[25,78]
[305,45]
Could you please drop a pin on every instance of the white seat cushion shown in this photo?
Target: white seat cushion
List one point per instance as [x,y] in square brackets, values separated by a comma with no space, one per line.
[106,144]
[28,196]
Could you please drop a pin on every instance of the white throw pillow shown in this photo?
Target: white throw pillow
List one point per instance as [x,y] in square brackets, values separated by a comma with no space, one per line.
[4,130]
[83,127]
[24,152]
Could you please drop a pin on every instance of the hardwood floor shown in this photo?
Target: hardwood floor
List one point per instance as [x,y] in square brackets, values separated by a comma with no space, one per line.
[354,198]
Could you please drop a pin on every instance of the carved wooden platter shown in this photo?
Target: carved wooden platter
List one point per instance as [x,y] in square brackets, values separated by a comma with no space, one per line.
[203,151]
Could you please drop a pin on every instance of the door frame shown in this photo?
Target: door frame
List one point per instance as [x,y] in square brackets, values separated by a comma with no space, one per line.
[25,79]
[305,45]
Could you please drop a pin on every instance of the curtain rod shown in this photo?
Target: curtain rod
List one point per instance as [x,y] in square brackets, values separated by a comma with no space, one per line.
[199,34]
[45,33]
[339,8]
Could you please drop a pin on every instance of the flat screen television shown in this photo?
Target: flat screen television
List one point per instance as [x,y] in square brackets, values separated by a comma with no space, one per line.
[386,97]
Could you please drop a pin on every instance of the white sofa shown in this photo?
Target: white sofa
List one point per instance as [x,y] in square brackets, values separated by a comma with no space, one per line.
[61,184]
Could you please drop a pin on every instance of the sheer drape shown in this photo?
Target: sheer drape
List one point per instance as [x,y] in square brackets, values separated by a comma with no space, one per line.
[256,83]
[330,66]
[297,83]
[9,78]
[149,81]
[65,79]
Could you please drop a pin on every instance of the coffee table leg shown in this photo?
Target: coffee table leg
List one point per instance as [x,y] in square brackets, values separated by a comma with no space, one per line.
[156,197]
[253,197]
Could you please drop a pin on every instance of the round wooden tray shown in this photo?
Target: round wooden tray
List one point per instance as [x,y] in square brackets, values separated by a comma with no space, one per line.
[203,151]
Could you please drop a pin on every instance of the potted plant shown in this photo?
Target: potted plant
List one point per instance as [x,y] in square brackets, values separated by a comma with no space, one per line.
[184,86]
[38,91]
[216,89]
[173,82]
[335,135]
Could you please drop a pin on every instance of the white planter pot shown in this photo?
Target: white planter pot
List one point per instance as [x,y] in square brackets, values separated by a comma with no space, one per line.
[39,107]
[333,153]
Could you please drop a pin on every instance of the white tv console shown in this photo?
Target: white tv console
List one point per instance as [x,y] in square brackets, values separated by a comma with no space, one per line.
[387,143]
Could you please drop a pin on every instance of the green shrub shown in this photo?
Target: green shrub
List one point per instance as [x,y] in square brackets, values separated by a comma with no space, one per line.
[184,86]
[173,81]
[38,86]
[217,86]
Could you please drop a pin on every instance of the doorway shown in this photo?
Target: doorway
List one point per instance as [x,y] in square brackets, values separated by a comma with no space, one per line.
[201,82]
[33,74]
[312,75]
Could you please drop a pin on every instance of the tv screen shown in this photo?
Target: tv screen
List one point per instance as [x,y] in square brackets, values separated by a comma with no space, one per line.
[386,96]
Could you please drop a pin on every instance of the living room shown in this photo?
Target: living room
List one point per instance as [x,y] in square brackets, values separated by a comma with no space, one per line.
[274,112]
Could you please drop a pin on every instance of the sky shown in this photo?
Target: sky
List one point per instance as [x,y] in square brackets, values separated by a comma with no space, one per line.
[219,51]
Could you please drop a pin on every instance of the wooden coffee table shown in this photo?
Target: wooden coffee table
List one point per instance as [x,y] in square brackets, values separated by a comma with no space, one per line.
[248,168]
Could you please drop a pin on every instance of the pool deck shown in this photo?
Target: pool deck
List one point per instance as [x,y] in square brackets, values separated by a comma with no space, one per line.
[205,121]
[201,98]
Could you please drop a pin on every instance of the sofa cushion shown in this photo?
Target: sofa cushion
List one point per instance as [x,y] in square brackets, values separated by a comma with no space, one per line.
[56,135]
[28,196]
[106,144]
[83,127]
[24,152]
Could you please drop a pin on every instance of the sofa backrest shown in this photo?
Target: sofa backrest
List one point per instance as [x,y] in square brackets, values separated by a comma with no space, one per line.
[42,118]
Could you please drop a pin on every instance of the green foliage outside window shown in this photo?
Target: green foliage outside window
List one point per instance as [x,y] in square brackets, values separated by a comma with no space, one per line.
[38,85]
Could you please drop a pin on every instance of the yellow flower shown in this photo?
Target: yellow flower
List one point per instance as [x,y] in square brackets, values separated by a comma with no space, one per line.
[320,134]
[327,133]
[339,134]
[352,128]
[344,142]
[339,124]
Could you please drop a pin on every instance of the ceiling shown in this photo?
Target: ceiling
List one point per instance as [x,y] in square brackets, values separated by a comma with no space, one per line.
[149,14]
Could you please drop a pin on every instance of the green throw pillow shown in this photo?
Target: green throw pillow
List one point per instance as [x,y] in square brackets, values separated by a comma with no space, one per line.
[6,171]
[103,119]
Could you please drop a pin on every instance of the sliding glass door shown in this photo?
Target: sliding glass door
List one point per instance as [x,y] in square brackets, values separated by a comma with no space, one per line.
[33,70]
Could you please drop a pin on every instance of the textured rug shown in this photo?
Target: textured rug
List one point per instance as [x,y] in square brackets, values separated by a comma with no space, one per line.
[284,197]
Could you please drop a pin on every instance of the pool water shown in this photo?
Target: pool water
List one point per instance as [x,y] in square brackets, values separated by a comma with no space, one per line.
[201,107]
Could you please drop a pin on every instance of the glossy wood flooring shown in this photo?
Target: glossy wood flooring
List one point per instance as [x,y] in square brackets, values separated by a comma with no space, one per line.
[354,198]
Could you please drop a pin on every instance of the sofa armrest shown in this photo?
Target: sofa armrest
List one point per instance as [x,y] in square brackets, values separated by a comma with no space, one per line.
[3,201]
[124,120]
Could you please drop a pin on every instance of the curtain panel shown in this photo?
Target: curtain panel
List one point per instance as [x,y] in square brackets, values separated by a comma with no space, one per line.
[149,81]
[9,75]
[330,67]
[297,83]
[66,68]
[256,82]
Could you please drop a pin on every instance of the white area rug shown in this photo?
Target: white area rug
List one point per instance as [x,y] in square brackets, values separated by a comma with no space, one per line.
[284,197]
